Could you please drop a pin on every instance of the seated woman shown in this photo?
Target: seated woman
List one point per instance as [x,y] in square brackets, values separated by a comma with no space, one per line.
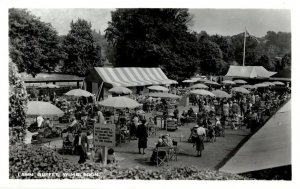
[160,154]
[183,117]
[111,158]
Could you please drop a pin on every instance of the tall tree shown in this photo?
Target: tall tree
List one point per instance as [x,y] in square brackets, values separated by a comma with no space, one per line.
[211,61]
[81,49]
[154,37]
[34,45]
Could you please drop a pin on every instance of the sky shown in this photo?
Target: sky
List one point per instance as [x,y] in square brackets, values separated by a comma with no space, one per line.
[213,21]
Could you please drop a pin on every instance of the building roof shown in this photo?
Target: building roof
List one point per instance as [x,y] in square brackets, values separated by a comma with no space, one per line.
[270,147]
[249,72]
[129,76]
[50,77]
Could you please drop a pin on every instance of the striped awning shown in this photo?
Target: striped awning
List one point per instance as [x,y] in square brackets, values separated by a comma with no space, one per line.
[133,76]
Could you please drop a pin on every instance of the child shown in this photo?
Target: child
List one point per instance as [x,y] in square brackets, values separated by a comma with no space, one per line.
[111,158]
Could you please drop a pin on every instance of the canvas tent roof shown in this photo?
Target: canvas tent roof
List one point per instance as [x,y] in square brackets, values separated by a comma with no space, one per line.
[268,148]
[249,72]
[130,76]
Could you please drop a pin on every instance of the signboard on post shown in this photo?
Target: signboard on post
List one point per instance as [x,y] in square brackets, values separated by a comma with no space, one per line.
[104,135]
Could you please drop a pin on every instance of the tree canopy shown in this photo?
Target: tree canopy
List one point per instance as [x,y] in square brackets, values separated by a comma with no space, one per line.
[34,45]
[154,37]
[82,51]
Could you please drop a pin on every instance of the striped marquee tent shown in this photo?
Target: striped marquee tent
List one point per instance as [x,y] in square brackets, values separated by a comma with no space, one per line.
[129,76]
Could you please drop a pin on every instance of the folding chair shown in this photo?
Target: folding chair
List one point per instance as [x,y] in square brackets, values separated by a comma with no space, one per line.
[172,153]
[162,157]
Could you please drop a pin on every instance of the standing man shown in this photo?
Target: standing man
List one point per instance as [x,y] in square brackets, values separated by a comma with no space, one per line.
[82,145]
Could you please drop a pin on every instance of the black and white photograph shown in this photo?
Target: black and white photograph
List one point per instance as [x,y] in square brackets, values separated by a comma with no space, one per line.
[148,93]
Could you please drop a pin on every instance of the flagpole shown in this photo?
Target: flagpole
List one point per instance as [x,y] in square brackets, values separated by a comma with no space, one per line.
[244,53]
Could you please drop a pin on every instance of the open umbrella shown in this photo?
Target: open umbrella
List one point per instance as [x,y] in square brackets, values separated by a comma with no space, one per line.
[208,82]
[188,81]
[158,88]
[261,85]
[249,86]
[240,81]
[202,92]
[78,93]
[119,102]
[228,82]
[48,86]
[221,94]
[43,108]
[240,90]
[120,90]
[199,86]
[269,83]
[278,83]
[164,95]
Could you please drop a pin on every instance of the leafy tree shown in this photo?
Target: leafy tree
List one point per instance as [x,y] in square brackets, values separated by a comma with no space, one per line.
[17,101]
[82,51]
[154,37]
[265,62]
[251,55]
[34,45]
[211,57]
[225,45]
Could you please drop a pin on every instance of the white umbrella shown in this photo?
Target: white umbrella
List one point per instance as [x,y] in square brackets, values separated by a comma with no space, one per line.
[269,83]
[199,86]
[120,90]
[240,90]
[120,102]
[78,93]
[278,83]
[188,81]
[259,85]
[240,81]
[208,82]
[228,82]
[43,108]
[221,94]
[158,88]
[202,92]
[249,86]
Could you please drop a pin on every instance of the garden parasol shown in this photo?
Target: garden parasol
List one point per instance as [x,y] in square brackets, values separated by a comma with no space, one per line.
[37,108]
[120,102]
[221,94]
[202,92]
[78,93]
[240,90]
[158,88]
[240,81]
[249,86]
[199,86]
[208,82]
[228,82]
[120,90]
[278,83]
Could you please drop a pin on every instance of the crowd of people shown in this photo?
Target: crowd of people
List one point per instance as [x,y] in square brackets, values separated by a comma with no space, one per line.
[213,115]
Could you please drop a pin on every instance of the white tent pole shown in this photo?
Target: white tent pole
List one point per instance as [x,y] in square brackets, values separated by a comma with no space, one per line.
[244,53]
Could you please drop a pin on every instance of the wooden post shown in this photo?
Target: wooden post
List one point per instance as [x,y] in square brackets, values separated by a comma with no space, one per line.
[104,155]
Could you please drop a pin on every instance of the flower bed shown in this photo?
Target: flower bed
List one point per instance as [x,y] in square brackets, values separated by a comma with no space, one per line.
[39,162]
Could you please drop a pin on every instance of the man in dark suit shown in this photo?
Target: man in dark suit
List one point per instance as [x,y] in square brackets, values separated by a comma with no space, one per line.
[81,141]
